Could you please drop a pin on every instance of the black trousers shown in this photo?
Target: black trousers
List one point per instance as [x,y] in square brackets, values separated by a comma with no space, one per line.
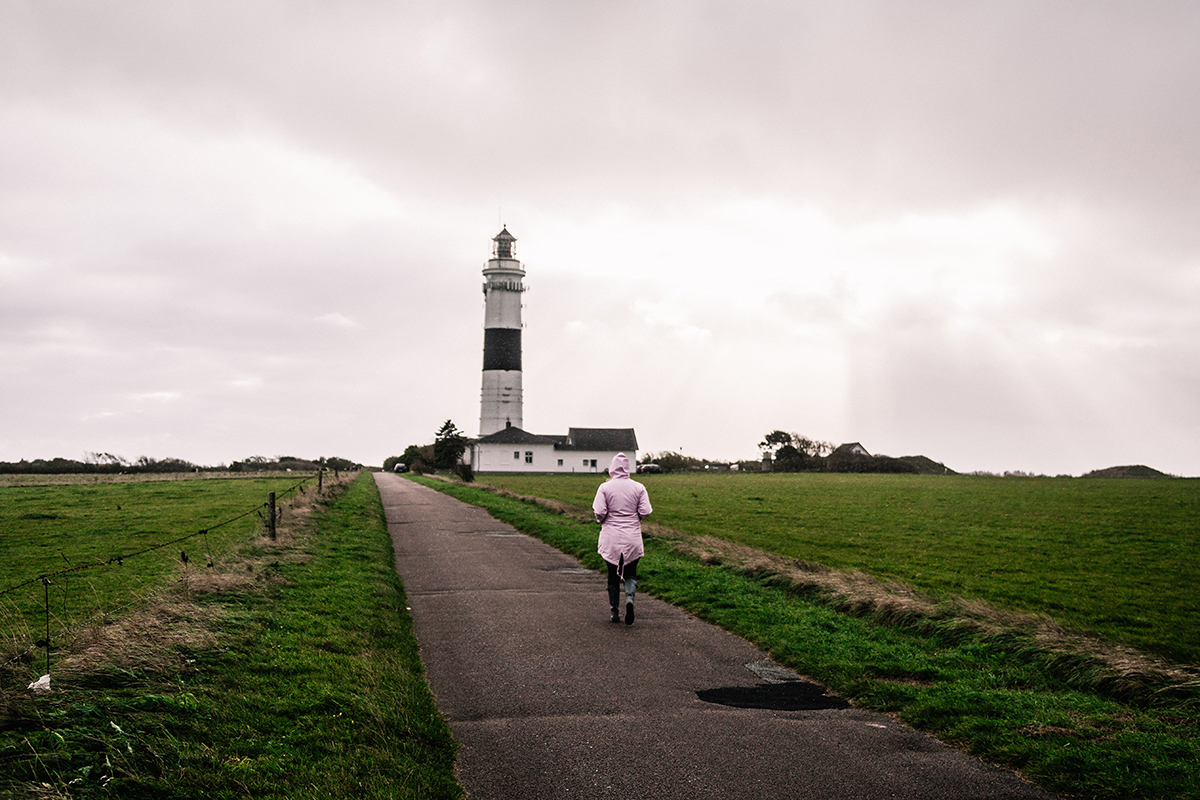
[630,570]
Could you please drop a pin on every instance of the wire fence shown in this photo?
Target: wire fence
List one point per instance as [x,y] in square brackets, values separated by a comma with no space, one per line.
[34,624]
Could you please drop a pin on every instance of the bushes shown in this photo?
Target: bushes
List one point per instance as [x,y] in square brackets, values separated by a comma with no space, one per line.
[852,462]
[107,465]
[789,459]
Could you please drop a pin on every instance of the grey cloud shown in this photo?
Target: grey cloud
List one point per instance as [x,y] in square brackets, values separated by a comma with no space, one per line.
[189,189]
[887,104]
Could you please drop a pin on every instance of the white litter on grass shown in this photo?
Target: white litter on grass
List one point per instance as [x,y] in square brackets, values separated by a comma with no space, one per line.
[41,685]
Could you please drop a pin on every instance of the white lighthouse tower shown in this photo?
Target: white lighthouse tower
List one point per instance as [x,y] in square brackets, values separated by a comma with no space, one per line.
[501,403]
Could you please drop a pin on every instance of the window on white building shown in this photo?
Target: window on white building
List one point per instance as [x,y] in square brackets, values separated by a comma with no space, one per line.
[528,456]
[517,455]
[560,462]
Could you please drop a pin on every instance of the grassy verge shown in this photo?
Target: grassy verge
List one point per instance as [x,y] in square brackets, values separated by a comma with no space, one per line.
[996,697]
[1115,558]
[103,538]
[301,678]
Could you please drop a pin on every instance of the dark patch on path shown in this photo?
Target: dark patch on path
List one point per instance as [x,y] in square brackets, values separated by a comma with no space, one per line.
[789,696]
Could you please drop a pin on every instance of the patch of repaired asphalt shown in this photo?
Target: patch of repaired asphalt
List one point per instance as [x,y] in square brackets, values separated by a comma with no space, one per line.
[783,690]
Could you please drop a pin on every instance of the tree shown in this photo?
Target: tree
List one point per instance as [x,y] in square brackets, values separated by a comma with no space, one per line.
[418,459]
[790,459]
[813,448]
[449,443]
[793,452]
[339,464]
[671,461]
[104,459]
[251,464]
[775,440]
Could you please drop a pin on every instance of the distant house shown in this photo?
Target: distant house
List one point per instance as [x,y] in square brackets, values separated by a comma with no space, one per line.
[850,449]
[580,450]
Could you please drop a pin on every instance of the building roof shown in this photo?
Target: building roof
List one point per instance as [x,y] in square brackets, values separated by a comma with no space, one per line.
[613,439]
[598,439]
[853,448]
[516,436]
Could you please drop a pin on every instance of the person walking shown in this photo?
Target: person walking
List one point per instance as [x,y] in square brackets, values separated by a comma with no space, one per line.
[620,506]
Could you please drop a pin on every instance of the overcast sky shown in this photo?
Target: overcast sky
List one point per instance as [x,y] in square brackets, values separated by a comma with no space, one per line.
[965,230]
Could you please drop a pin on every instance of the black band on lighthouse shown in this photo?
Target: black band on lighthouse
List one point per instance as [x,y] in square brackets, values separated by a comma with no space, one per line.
[502,349]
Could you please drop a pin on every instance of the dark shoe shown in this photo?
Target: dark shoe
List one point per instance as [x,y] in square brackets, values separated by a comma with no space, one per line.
[616,615]
[628,613]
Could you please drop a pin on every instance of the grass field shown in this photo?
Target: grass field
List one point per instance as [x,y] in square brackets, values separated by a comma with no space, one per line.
[993,695]
[290,672]
[300,676]
[1116,558]
[51,528]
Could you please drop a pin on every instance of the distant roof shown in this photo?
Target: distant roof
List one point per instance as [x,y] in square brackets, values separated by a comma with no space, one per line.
[516,436]
[851,447]
[599,439]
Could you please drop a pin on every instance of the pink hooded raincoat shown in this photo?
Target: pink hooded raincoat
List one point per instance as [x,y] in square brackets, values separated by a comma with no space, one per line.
[620,505]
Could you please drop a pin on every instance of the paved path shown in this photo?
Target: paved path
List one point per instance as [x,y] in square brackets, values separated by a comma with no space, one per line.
[550,700]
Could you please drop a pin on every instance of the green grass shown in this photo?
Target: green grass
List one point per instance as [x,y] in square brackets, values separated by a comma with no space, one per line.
[990,696]
[1115,558]
[47,529]
[314,690]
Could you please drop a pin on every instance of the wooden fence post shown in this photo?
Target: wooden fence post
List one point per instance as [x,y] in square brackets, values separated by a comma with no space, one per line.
[46,586]
[320,474]
[271,514]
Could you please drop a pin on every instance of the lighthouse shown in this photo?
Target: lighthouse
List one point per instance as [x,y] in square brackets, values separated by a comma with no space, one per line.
[500,404]
[503,444]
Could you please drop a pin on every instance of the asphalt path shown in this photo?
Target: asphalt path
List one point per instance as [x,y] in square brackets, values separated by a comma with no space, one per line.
[549,699]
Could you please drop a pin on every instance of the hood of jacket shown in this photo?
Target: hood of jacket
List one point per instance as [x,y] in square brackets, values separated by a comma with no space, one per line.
[619,468]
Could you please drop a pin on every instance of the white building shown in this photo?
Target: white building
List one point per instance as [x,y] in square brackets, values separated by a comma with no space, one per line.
[502,445]
[581,450]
